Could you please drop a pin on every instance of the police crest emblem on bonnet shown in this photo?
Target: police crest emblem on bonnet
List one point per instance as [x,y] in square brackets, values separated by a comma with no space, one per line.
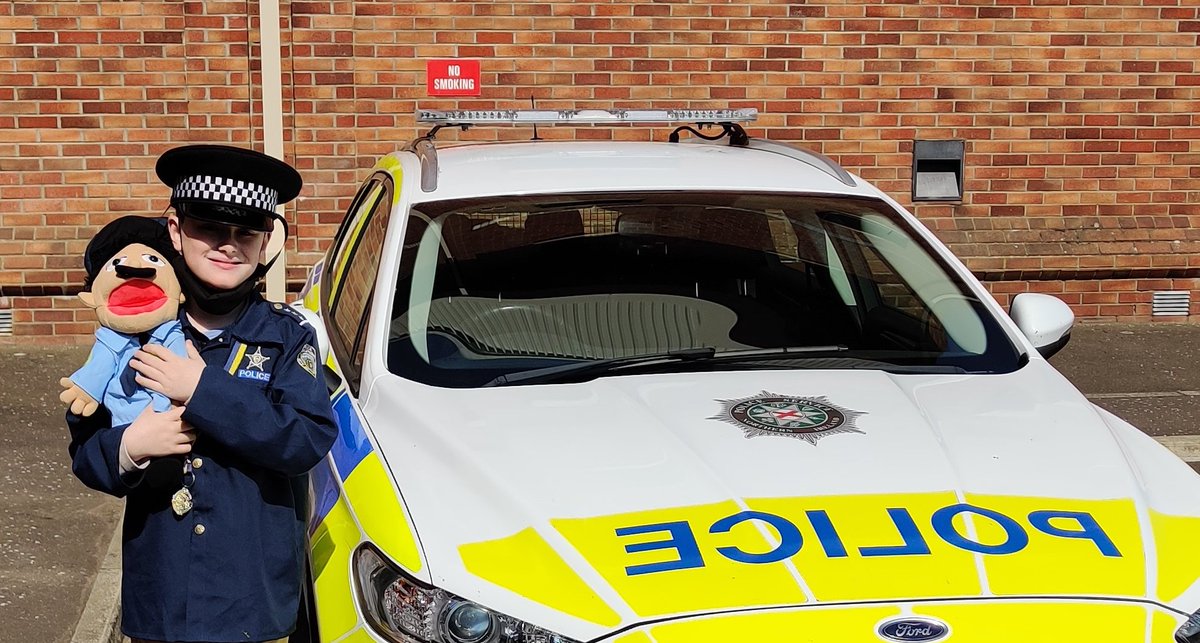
[806,418]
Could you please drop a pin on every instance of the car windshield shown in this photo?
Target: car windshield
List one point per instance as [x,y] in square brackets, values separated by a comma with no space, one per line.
[569,287]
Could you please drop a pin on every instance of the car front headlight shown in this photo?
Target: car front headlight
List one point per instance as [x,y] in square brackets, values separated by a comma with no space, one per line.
[407,611]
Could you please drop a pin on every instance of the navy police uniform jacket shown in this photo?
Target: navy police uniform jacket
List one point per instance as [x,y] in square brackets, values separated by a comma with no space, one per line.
[231,569]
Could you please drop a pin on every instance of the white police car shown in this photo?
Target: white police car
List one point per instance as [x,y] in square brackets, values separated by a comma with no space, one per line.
[702,391]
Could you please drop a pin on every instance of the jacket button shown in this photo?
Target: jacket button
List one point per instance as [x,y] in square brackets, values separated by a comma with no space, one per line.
[197,463]
[198,530]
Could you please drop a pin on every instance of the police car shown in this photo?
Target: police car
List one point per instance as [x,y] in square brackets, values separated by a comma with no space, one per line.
[708,389]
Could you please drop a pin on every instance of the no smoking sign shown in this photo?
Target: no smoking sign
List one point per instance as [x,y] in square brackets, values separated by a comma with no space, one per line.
[452,77]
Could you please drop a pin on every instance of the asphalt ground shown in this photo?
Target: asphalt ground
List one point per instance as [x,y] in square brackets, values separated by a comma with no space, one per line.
[54,532]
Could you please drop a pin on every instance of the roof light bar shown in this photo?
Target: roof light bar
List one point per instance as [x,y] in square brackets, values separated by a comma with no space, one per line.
[583,116]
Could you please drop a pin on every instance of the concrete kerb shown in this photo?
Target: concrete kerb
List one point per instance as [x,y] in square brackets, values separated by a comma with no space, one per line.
[100,621]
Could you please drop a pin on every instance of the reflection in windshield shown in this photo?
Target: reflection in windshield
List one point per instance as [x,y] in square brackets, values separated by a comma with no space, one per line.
[494,287]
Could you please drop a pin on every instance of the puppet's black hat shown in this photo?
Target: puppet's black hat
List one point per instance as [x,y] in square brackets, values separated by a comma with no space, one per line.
[228,185]
[121,232]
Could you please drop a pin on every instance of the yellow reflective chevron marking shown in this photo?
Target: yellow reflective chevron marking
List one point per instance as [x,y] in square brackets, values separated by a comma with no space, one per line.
[875,547]
[662,540]
[374,502]
[1073,563]
[331,548]
[1175,540]
[525,563]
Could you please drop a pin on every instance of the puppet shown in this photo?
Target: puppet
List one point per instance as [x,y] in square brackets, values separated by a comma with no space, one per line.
[132,286]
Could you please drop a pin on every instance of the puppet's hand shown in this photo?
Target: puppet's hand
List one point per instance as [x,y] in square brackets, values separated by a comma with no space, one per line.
[80,402]
[165,372]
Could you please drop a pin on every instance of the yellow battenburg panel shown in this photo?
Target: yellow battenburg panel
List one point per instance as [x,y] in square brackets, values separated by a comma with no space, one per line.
[526,564]
[312,299]
[1175,540]
[664,561]
[830,625]
[1061,546]
[873,547]
[374,501]
[330,550]
[1002,622]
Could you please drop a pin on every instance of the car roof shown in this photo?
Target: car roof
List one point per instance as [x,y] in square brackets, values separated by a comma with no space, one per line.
[533,167]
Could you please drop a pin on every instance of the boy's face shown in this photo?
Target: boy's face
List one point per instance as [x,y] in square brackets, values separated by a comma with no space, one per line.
[222,256]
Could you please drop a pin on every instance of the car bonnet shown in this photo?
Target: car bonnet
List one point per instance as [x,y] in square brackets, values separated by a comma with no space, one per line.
[593,507]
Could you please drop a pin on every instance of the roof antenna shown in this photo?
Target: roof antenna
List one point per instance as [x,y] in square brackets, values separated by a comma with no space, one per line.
[533,105]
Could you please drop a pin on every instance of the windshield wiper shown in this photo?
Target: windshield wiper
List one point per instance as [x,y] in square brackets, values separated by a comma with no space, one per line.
[582,371]
[842,361]
[597,368]
[781,352]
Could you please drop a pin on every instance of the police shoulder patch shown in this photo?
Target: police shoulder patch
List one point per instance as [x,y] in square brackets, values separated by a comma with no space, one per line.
[307,359]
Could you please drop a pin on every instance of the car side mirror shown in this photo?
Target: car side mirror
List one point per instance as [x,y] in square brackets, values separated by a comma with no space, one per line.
[1044,319]
[318,327]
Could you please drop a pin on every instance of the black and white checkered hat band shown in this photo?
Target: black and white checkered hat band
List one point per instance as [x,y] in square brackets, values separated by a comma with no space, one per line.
[215,188]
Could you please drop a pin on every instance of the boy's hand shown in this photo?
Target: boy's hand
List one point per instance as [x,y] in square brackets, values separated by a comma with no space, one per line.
[154,434]
[165,372]
[76,398]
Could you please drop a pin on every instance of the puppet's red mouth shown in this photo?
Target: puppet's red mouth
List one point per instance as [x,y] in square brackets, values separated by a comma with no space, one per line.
[135,297]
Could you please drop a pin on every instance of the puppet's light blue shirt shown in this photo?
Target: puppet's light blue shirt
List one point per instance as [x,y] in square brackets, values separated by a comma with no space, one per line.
[101,376]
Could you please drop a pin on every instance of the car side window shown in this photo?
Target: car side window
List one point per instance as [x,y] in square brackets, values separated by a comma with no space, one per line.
[351,275]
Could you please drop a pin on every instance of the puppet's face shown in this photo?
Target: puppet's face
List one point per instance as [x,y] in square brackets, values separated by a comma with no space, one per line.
[135,291]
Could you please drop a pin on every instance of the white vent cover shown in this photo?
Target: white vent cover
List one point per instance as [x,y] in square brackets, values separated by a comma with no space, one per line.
[1171,303]
[5,322]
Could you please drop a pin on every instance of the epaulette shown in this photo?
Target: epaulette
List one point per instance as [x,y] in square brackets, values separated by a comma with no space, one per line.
[288,311]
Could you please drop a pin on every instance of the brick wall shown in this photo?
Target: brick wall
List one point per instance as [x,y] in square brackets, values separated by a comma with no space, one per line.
[1080,118]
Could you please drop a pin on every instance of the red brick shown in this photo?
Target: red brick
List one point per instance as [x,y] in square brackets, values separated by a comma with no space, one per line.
[1098,124]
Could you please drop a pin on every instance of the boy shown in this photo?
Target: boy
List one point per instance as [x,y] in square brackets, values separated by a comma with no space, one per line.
[226,562]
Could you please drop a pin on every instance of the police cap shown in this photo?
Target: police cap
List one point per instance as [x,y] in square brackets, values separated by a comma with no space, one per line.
[228,185]
[121,232]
